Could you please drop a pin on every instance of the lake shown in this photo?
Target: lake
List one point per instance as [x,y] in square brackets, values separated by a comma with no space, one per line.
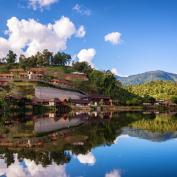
[121,145]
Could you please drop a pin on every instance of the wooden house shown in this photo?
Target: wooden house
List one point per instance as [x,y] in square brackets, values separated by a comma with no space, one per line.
[80,102]
[98,99]
[6,76]
[46,102]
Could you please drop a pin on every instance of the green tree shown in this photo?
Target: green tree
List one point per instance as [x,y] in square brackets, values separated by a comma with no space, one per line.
[174,99]
[23,62]
[61,59]
[47,57]
[83,67]
[11,57]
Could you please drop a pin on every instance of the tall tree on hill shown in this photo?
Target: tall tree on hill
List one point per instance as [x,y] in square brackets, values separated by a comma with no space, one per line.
[39,59]
[83,67]
[11,57]
[23,61]
[61,59]
[47,57]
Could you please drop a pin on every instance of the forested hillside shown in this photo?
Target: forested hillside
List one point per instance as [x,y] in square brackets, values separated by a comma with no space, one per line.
[157,89]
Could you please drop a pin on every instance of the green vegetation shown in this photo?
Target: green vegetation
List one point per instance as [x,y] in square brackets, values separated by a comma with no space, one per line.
[157,89]
[174,99]
[99,82]
[162,123]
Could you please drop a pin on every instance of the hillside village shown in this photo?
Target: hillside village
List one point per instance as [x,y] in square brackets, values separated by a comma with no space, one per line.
[50,79]
[47,85]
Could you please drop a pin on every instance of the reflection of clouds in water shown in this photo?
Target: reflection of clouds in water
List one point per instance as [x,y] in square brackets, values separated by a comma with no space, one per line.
[120,137]
[87,158]
[113,173]
[29,168]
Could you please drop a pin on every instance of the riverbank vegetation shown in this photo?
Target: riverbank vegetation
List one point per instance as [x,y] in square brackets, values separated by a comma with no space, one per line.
[161,123]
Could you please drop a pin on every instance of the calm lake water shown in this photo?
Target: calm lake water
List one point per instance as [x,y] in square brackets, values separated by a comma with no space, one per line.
[111,147]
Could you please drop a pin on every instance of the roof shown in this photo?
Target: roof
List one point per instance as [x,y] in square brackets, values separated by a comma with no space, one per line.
[38,69]
[78,73]
[46,100]
[96,97]
[78,101]
[6,74]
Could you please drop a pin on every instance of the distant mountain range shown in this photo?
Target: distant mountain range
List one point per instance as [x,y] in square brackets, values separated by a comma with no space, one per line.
[147,77]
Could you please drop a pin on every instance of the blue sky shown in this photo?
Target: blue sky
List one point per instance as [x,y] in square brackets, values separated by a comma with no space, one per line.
[148,30]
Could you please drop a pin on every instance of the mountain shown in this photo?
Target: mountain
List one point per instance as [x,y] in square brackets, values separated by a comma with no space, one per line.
[147,77]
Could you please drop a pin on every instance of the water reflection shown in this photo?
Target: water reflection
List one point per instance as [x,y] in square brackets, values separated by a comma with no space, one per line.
[89,144]
[88,158]
[28,168]
[113,173]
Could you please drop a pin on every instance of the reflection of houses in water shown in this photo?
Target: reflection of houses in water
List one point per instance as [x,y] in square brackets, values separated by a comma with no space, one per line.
[94,114]
[47,124]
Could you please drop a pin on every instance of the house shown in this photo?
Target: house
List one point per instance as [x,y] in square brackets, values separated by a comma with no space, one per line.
[3,82]
[98,99]
[23,75]
[17,70]
[76,76]
[147,104]
[61,82]
[79,102]
[6,76]
[33,76]
[36,73]
[37,70]
[46,102]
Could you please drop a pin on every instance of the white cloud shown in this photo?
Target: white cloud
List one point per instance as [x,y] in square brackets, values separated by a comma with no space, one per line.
[81,32]
[40,3]
[81,10]
[113,173]
[87,158]
[114,38]
[114,71]
[30,36]
[31,169]
[87,55]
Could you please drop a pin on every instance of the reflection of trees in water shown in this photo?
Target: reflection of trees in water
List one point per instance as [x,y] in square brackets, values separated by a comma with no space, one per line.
[102,131]
[161,123]
[40,157]
[7,155]
[93,133]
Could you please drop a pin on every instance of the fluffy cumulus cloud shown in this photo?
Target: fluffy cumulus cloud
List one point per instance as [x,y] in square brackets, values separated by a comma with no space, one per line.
[28,168]
[87,55]
[114,38]
[30,36]
[87,158]
[114,71]
[40,3]
[81,10]
[113,173]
